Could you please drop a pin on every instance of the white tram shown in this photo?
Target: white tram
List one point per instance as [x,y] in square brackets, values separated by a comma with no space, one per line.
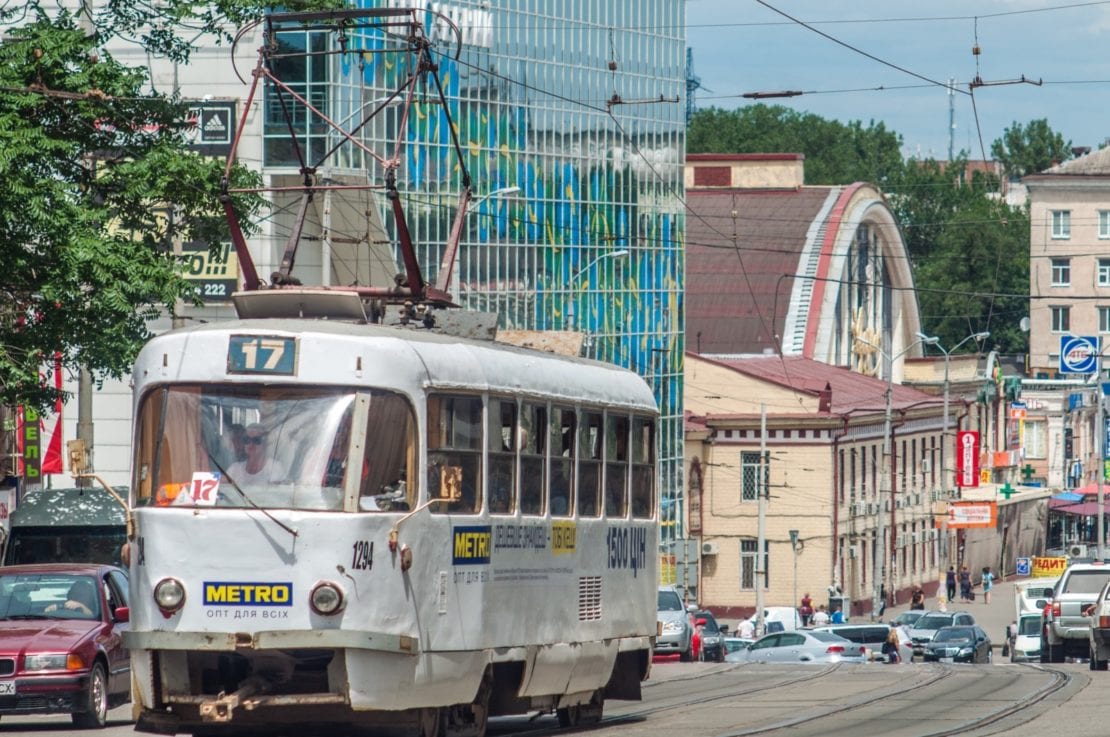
[342,523]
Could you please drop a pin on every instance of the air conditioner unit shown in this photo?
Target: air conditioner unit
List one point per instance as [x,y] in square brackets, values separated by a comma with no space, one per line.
[916,538]
[899,503]
[901,541]
[926,465]
[709,548]
[872,508]
[886,505]
[1077,551]
[853,551]
[935,495]
[859,509]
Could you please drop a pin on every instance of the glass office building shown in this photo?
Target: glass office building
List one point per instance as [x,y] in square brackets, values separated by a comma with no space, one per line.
[570,116]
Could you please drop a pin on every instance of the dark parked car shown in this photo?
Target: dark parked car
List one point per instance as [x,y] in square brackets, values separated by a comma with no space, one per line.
[712,639]
[960,644]
[61,649]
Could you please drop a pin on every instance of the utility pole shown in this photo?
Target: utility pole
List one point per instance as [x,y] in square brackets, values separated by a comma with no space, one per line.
[761,525]
[884,494]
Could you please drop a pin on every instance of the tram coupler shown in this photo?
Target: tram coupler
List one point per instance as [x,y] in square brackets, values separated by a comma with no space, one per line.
[222,707]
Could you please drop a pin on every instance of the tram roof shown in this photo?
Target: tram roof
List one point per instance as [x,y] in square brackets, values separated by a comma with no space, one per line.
[430,359]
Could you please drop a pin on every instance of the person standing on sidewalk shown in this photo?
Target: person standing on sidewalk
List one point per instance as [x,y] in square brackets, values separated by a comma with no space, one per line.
[950,583]
[965,584]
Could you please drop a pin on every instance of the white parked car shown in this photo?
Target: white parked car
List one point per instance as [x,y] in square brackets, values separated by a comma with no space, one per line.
[800,646]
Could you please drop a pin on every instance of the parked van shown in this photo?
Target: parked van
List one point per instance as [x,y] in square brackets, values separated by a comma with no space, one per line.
[779,619]
[67,526]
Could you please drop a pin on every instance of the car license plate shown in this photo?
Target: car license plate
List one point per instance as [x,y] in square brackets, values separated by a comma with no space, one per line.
[7,688]
[946,660]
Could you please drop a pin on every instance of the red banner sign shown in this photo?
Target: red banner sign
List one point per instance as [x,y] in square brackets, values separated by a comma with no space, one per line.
[967,458]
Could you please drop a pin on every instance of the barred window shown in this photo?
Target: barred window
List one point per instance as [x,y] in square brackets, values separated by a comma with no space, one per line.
[749,476]
[748,559]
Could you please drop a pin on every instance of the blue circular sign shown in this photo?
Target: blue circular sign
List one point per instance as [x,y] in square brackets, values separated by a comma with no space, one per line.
[1078,355]
[1023,566]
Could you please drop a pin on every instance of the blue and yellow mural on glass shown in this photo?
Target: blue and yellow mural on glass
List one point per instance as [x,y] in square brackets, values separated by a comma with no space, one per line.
[577,220]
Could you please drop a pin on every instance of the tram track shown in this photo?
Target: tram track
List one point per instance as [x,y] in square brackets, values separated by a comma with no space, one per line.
[920,688]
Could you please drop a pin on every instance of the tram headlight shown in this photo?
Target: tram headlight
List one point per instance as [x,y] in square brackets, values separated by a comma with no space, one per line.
[326,598]
[169,594]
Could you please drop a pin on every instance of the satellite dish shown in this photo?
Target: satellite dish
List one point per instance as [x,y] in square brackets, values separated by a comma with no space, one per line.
[1024,324]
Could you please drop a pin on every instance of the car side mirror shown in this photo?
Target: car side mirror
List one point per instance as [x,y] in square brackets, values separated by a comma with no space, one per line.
[122,614]
[691,608]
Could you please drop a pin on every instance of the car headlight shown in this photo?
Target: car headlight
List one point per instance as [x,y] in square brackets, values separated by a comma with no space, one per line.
[965,651]
[673,627]
[169,594]
[326,598]
[46,661]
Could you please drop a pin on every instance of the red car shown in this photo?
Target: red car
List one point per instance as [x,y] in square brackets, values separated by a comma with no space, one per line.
[61,650]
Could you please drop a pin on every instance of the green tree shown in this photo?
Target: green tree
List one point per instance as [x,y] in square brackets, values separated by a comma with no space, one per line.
[99,183]
[1030,148]
[835,153]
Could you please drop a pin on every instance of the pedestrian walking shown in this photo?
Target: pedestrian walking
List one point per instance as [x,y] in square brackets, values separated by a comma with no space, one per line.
[965,584]
[988,584]
[807,610]
[820,617]
[917,598]
[950,583]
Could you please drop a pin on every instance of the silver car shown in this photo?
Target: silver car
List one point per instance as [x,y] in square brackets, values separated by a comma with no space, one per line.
[800,646]
[676,626]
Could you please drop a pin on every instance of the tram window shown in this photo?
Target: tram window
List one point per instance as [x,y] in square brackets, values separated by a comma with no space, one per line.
[616,466]
[296,448]
[562,461]
[589,464]
[389,455]
[533,437]
[502,456]
[643,468]
[454,453]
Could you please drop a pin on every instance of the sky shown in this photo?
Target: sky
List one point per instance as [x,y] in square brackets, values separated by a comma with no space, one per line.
[912,49]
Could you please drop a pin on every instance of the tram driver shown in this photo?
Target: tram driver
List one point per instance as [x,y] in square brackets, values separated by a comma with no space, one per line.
[259,468]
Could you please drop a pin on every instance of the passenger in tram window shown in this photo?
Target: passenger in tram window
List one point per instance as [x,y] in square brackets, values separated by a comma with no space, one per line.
[501,486]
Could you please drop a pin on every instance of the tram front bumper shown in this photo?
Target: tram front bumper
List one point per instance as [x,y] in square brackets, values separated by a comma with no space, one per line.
[270,640]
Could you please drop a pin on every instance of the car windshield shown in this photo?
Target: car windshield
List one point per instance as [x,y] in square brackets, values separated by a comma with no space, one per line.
[275,446]
[669,602]
[1030,626]
[48,596]
[1086,582]
[932,622]
[710,627]
[955,634]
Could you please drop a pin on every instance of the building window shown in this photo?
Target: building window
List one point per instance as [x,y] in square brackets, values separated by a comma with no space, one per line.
[1103,225]
[307,75]
[1104,319]
[748,559]
[749,476]
[1036,433]
[1061,223]
[1061,319]
[1104,272]
[1061,272]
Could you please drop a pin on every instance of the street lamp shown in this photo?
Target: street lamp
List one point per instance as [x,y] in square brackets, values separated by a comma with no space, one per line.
[619,253]
[794,549]
[880,569]
[495,193]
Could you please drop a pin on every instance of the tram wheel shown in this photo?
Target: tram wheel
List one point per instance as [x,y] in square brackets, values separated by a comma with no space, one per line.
[568,716]
[431,722]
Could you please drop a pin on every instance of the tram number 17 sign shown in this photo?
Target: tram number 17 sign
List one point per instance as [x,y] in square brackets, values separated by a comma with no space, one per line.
[967,458]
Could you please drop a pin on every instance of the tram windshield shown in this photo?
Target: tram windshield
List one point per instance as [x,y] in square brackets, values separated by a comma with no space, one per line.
[276,446]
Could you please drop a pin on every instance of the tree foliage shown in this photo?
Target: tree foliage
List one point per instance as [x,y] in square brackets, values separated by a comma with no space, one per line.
[1030,148]
[835,153]
[99,183]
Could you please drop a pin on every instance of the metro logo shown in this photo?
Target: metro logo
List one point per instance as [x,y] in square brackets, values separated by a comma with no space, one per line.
[471,545]
[247,594]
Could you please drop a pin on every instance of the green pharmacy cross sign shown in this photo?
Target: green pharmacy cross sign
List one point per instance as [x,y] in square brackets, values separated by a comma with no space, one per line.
[1007,490]
[1026,472]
